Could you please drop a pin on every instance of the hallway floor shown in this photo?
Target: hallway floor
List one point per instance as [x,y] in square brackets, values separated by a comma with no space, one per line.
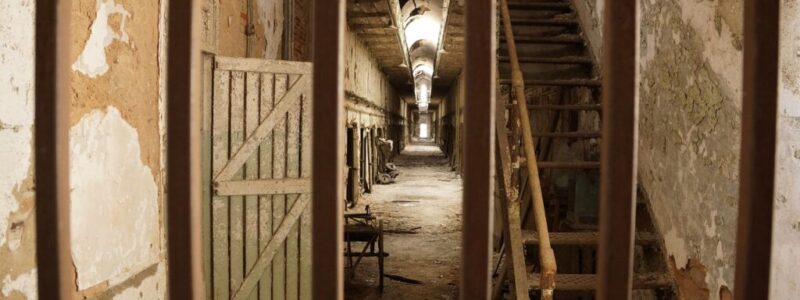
[424,208]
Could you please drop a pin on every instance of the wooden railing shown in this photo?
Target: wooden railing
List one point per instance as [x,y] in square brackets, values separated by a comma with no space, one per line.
[546,256]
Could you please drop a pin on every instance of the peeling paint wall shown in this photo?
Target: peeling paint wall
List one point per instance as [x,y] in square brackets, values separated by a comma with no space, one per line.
[115,147]
[689,131]
[786,225]
[690,76]
[17,231]
[364,79]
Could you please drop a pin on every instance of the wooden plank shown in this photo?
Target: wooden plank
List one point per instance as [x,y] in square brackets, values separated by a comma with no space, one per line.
[251,120]
[273,247]
[56,274]
[618,152]
[265,172]
[292,171]
[511,209]
[327,151]
[236,203]
[263,187]
[305,219]
[206,159]
[278,114]
[219,209]
[479,73]
[262,65]
[757,163]
[279,201]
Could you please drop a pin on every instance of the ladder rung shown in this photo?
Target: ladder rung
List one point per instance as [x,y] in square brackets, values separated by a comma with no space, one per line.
[550,60]
[544,22]
[581,238]
[540,5]
[557,82]
[559,107]
[568,164]
[587,282]
[560,39]
[571,134]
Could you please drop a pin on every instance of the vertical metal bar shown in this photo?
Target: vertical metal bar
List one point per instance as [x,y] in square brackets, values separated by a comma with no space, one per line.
[757,163]
[56,277]
[479,97]
[184,192]
[327,149]
[618,151]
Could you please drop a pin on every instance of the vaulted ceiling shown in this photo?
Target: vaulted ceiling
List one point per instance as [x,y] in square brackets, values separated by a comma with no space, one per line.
[378,25]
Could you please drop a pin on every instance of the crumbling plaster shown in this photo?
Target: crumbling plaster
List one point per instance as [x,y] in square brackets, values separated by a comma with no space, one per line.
[689,132]
[786,225]
[115,146]
[17,232]
[365,79]
[689,135]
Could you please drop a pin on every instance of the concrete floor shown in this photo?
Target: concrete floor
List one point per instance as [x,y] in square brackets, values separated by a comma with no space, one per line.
[426,199]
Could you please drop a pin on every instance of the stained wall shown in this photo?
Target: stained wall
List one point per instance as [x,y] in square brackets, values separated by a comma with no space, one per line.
[115,150]
[690,73]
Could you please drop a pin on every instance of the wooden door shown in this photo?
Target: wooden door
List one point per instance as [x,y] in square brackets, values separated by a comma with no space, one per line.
[260,222]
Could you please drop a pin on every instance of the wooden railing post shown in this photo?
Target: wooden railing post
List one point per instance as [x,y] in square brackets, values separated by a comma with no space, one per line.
[479,74]
[757,163]
[546,255]
[328,150]
[56,276]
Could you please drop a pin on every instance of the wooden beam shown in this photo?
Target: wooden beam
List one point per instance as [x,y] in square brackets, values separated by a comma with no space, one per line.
[184,200]
[263,187]
[328,150]
[618,152]
[479,72]
[757,162]
[56,276]
[511,210]
[262,65]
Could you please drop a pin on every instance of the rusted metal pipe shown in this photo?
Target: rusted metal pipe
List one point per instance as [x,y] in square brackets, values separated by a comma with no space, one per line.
[546,255]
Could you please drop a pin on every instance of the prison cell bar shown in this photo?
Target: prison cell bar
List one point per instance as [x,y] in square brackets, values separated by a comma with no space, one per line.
[56,276]
[480,68]
[328,150]
[757,162]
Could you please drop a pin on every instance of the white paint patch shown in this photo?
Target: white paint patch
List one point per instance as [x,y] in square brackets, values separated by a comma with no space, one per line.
[115,230]
[24,284]
[16,103]
[92,61]
[152,288]
[676,247]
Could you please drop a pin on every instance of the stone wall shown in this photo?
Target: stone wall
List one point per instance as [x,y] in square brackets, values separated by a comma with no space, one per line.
[689,135]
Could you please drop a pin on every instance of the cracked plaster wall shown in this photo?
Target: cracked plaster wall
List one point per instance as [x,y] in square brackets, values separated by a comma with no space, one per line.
[116,181]
[690,76]
[364,78]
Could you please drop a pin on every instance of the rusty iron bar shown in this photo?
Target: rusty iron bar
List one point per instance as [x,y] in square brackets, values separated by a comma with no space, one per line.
[618,152]
[546,255]
[184,200]
[757,163]
[328,150]
[56,275]
[479,105]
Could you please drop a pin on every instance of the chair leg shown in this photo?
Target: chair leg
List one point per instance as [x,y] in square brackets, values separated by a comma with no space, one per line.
[380,254]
